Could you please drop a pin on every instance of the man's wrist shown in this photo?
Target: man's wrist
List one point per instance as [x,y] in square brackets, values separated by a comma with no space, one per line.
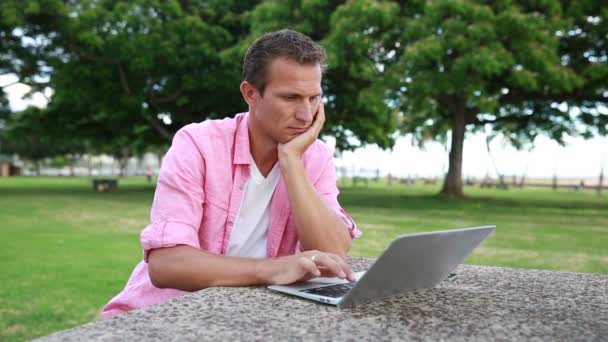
[288,159]
[264,270]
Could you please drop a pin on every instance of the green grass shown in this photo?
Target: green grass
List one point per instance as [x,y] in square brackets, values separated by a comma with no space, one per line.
[68,250]
[536,228]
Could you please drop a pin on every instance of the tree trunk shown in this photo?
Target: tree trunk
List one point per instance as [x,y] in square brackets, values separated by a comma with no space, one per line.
[90,164]
[122,162]
[73,159]
[37,164]
[600,184]
[452,185]
[522,180]
[159,157]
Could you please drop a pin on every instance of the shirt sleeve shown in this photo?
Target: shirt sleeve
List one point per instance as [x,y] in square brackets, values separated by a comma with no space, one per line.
[177,208]
[327,188]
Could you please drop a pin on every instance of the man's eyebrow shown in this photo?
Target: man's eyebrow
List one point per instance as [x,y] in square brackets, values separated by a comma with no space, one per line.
[298,94]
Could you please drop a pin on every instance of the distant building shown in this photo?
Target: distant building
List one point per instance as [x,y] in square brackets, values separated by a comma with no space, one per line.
[8,166]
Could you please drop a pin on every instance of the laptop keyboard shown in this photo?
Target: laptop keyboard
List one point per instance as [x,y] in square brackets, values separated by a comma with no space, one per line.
[339,290]
[334,291]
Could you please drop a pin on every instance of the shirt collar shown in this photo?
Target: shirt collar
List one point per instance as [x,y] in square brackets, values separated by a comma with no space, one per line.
[242,154]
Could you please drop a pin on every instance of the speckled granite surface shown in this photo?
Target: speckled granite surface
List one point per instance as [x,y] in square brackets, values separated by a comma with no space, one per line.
[483,303]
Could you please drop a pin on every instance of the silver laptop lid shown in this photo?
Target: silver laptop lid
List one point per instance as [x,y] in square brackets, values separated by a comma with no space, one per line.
[415,261]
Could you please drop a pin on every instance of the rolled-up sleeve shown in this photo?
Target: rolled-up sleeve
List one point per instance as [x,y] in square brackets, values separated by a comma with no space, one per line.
[327,188]
[177,209]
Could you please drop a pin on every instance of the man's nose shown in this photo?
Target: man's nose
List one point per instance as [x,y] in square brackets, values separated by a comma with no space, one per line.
[304,112]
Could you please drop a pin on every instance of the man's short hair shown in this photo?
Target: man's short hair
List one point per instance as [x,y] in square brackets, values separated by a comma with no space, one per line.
[284,43]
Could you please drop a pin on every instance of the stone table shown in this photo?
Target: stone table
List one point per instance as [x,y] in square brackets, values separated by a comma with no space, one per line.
[482,303]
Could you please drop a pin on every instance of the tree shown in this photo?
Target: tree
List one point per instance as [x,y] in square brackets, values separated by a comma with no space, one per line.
[26,134]
[355,95]
[126,72]
[160,65]
[116,67]
[454,66]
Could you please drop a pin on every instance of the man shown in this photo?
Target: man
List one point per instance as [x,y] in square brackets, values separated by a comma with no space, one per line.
[252,199]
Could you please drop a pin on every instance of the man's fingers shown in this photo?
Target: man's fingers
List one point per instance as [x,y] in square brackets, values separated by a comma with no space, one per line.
[327,265]
[325,260]
[309,266]
[345,266]
[317,123]
[320,119]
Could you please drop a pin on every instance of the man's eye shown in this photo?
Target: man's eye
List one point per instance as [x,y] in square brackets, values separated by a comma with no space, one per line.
[314,98]
[290,97]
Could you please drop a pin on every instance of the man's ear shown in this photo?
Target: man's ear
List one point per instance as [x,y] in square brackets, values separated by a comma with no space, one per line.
[250,93]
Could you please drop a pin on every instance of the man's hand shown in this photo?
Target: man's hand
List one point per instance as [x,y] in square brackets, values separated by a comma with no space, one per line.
[319,227]
[188,268]
[296,146]
[293,268]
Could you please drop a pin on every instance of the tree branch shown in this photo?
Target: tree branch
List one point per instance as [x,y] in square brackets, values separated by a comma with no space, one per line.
[123,79]
[155,122]
[166,99]
[89,56]
[159,127]
[121,73]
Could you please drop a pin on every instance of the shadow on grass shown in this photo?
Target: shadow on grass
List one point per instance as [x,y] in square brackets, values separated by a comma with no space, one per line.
[84,192]
[350,197]
[381,199]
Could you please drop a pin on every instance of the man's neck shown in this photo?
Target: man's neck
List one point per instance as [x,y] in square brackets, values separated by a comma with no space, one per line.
[263,151]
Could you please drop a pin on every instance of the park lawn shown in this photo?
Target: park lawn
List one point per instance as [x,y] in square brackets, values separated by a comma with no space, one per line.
[68,250]
[537,228]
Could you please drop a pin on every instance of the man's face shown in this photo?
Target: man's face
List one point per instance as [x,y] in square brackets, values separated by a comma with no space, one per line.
[290,101]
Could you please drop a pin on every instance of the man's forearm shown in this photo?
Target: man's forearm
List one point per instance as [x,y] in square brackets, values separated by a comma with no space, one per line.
[318,226]
[189,269]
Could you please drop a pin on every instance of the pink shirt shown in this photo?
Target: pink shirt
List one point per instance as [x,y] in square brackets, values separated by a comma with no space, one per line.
[197,198]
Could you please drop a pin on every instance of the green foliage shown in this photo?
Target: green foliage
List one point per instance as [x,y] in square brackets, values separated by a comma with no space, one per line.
[129,74]
[503,67]
[509,63]
[59,162]
[119,67]
[358,77]
[355,102]
[27,135]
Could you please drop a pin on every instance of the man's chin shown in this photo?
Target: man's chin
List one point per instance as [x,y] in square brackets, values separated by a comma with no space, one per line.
[289,137]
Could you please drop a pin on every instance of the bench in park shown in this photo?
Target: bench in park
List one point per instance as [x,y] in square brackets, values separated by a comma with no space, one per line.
[481,304]
[106,184]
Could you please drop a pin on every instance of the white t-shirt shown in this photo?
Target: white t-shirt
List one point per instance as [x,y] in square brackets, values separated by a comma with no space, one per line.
[250,231]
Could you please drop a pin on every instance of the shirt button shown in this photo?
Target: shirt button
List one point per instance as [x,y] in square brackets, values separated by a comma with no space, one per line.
[229,223]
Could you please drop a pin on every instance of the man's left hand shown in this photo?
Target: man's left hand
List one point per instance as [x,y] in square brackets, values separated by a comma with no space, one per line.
[298,145]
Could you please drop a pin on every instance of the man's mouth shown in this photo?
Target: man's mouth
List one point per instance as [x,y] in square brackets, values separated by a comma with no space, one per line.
[296,130]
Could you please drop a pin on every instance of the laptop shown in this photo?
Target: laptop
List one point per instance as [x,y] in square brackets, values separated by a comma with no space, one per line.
[411,262]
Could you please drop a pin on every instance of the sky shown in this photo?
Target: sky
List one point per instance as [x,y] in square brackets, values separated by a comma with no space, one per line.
[578,159]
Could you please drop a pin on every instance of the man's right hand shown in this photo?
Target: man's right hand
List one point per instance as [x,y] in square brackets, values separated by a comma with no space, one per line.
[188,268]
[301,267]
